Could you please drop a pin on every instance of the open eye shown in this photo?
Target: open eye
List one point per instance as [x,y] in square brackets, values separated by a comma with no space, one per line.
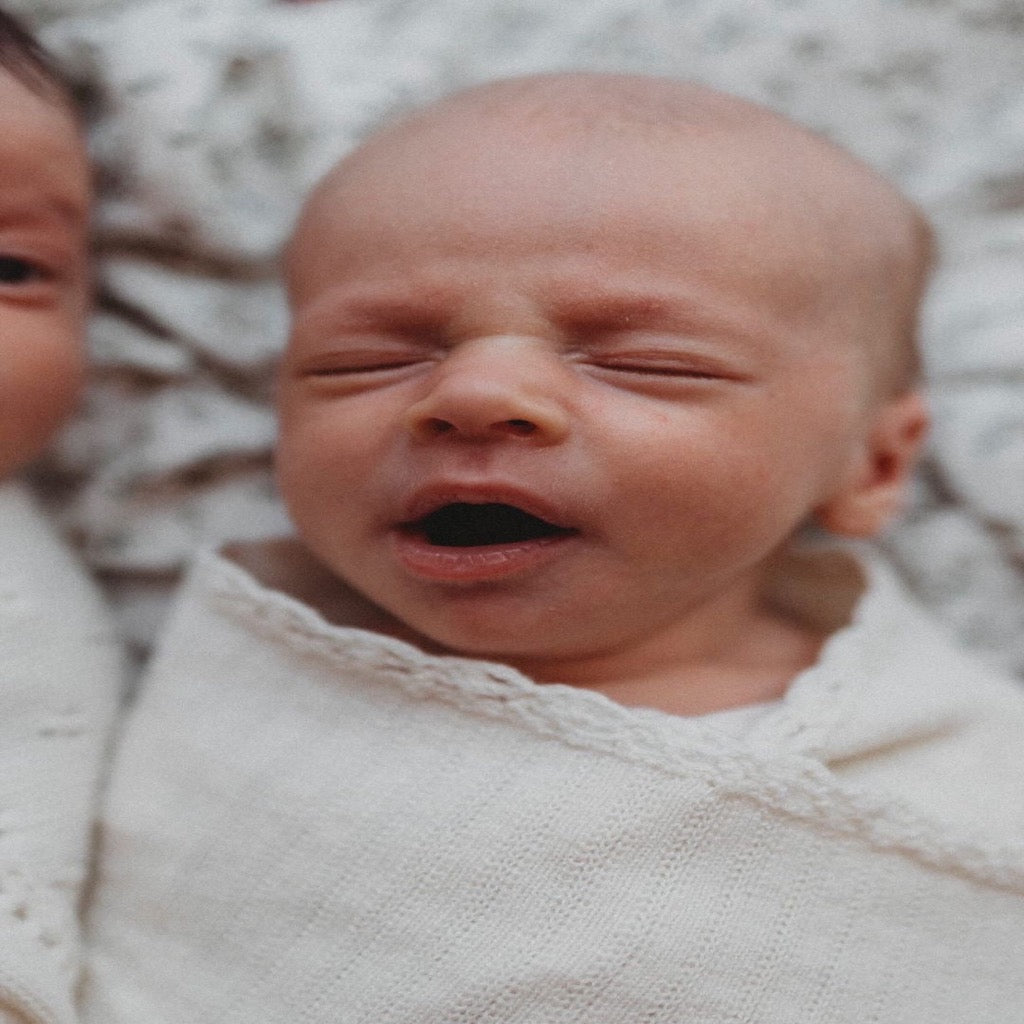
[15,270]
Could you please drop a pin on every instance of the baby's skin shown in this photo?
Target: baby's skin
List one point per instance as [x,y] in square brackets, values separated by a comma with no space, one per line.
[61,664]
[574,357]
[44,277]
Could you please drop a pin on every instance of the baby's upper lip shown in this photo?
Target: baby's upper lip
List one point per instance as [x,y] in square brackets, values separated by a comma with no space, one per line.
[431,497]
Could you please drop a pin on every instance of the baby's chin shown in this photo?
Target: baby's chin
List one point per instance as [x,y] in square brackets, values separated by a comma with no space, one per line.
[485,633]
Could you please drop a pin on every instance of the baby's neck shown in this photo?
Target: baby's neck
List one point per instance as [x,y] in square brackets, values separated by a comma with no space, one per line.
[707,687]
[740,649]
[748,655]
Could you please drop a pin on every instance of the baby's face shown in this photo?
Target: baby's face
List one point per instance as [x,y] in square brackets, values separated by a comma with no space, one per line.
[44,201]
[545,398]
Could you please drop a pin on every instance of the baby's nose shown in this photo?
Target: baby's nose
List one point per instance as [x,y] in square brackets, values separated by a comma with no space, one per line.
[494,388]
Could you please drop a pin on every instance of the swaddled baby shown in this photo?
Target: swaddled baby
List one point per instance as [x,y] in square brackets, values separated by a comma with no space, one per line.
[548,715]
[60,669]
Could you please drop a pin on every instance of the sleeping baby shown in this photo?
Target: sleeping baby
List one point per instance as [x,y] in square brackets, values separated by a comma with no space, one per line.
[60,669]
[563,707]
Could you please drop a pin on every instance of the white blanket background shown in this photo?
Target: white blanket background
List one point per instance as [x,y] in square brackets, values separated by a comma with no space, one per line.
[212,119]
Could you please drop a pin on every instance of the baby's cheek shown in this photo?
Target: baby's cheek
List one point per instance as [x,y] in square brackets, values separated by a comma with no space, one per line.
[40,381]
[293,473]
[310,469]
[729,493]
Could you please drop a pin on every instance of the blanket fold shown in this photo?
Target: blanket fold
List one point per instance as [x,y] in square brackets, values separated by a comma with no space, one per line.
[316,823]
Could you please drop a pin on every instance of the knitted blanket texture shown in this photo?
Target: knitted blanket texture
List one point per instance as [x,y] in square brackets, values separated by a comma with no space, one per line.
[315,823]
[60,682]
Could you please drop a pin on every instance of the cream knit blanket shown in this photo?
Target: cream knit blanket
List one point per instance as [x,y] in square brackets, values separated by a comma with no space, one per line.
[315,823]
[60,681]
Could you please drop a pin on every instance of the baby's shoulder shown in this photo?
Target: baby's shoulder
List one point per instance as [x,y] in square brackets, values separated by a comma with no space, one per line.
[898,707]
[960,757]
[56,633]
[982,762]
[30,546]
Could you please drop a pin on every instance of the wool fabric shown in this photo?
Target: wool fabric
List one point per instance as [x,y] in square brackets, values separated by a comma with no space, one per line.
[60,682]
[312,823]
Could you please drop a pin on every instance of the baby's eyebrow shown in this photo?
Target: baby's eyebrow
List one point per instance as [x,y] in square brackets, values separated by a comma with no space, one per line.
[662,310]
[396,310]
[401,308]
[18,211]
[599,308]
[398,296]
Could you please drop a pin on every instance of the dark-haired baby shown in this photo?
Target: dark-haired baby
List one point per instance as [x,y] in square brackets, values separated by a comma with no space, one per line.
[60,667]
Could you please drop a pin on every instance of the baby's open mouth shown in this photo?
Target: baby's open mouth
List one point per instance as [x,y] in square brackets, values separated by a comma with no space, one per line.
[466,525]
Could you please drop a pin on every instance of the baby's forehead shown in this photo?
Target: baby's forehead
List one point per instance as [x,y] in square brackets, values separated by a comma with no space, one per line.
[493,153]
[675,151]
[579,119]
[644,115]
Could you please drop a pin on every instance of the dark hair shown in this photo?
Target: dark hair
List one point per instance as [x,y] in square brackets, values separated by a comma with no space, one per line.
[23,57]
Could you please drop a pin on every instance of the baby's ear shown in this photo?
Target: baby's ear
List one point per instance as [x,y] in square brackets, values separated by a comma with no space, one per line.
[876,488]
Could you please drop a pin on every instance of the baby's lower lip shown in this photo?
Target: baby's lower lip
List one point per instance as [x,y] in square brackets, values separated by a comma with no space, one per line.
[477,564]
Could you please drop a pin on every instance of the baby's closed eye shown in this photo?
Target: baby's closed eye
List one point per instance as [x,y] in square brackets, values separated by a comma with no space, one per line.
[658,363]
[352,359]
[669,357]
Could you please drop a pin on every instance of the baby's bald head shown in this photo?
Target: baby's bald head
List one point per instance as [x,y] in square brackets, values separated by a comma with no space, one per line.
[845,240]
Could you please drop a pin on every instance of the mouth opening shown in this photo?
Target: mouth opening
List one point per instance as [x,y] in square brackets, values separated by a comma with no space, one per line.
[464,525]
